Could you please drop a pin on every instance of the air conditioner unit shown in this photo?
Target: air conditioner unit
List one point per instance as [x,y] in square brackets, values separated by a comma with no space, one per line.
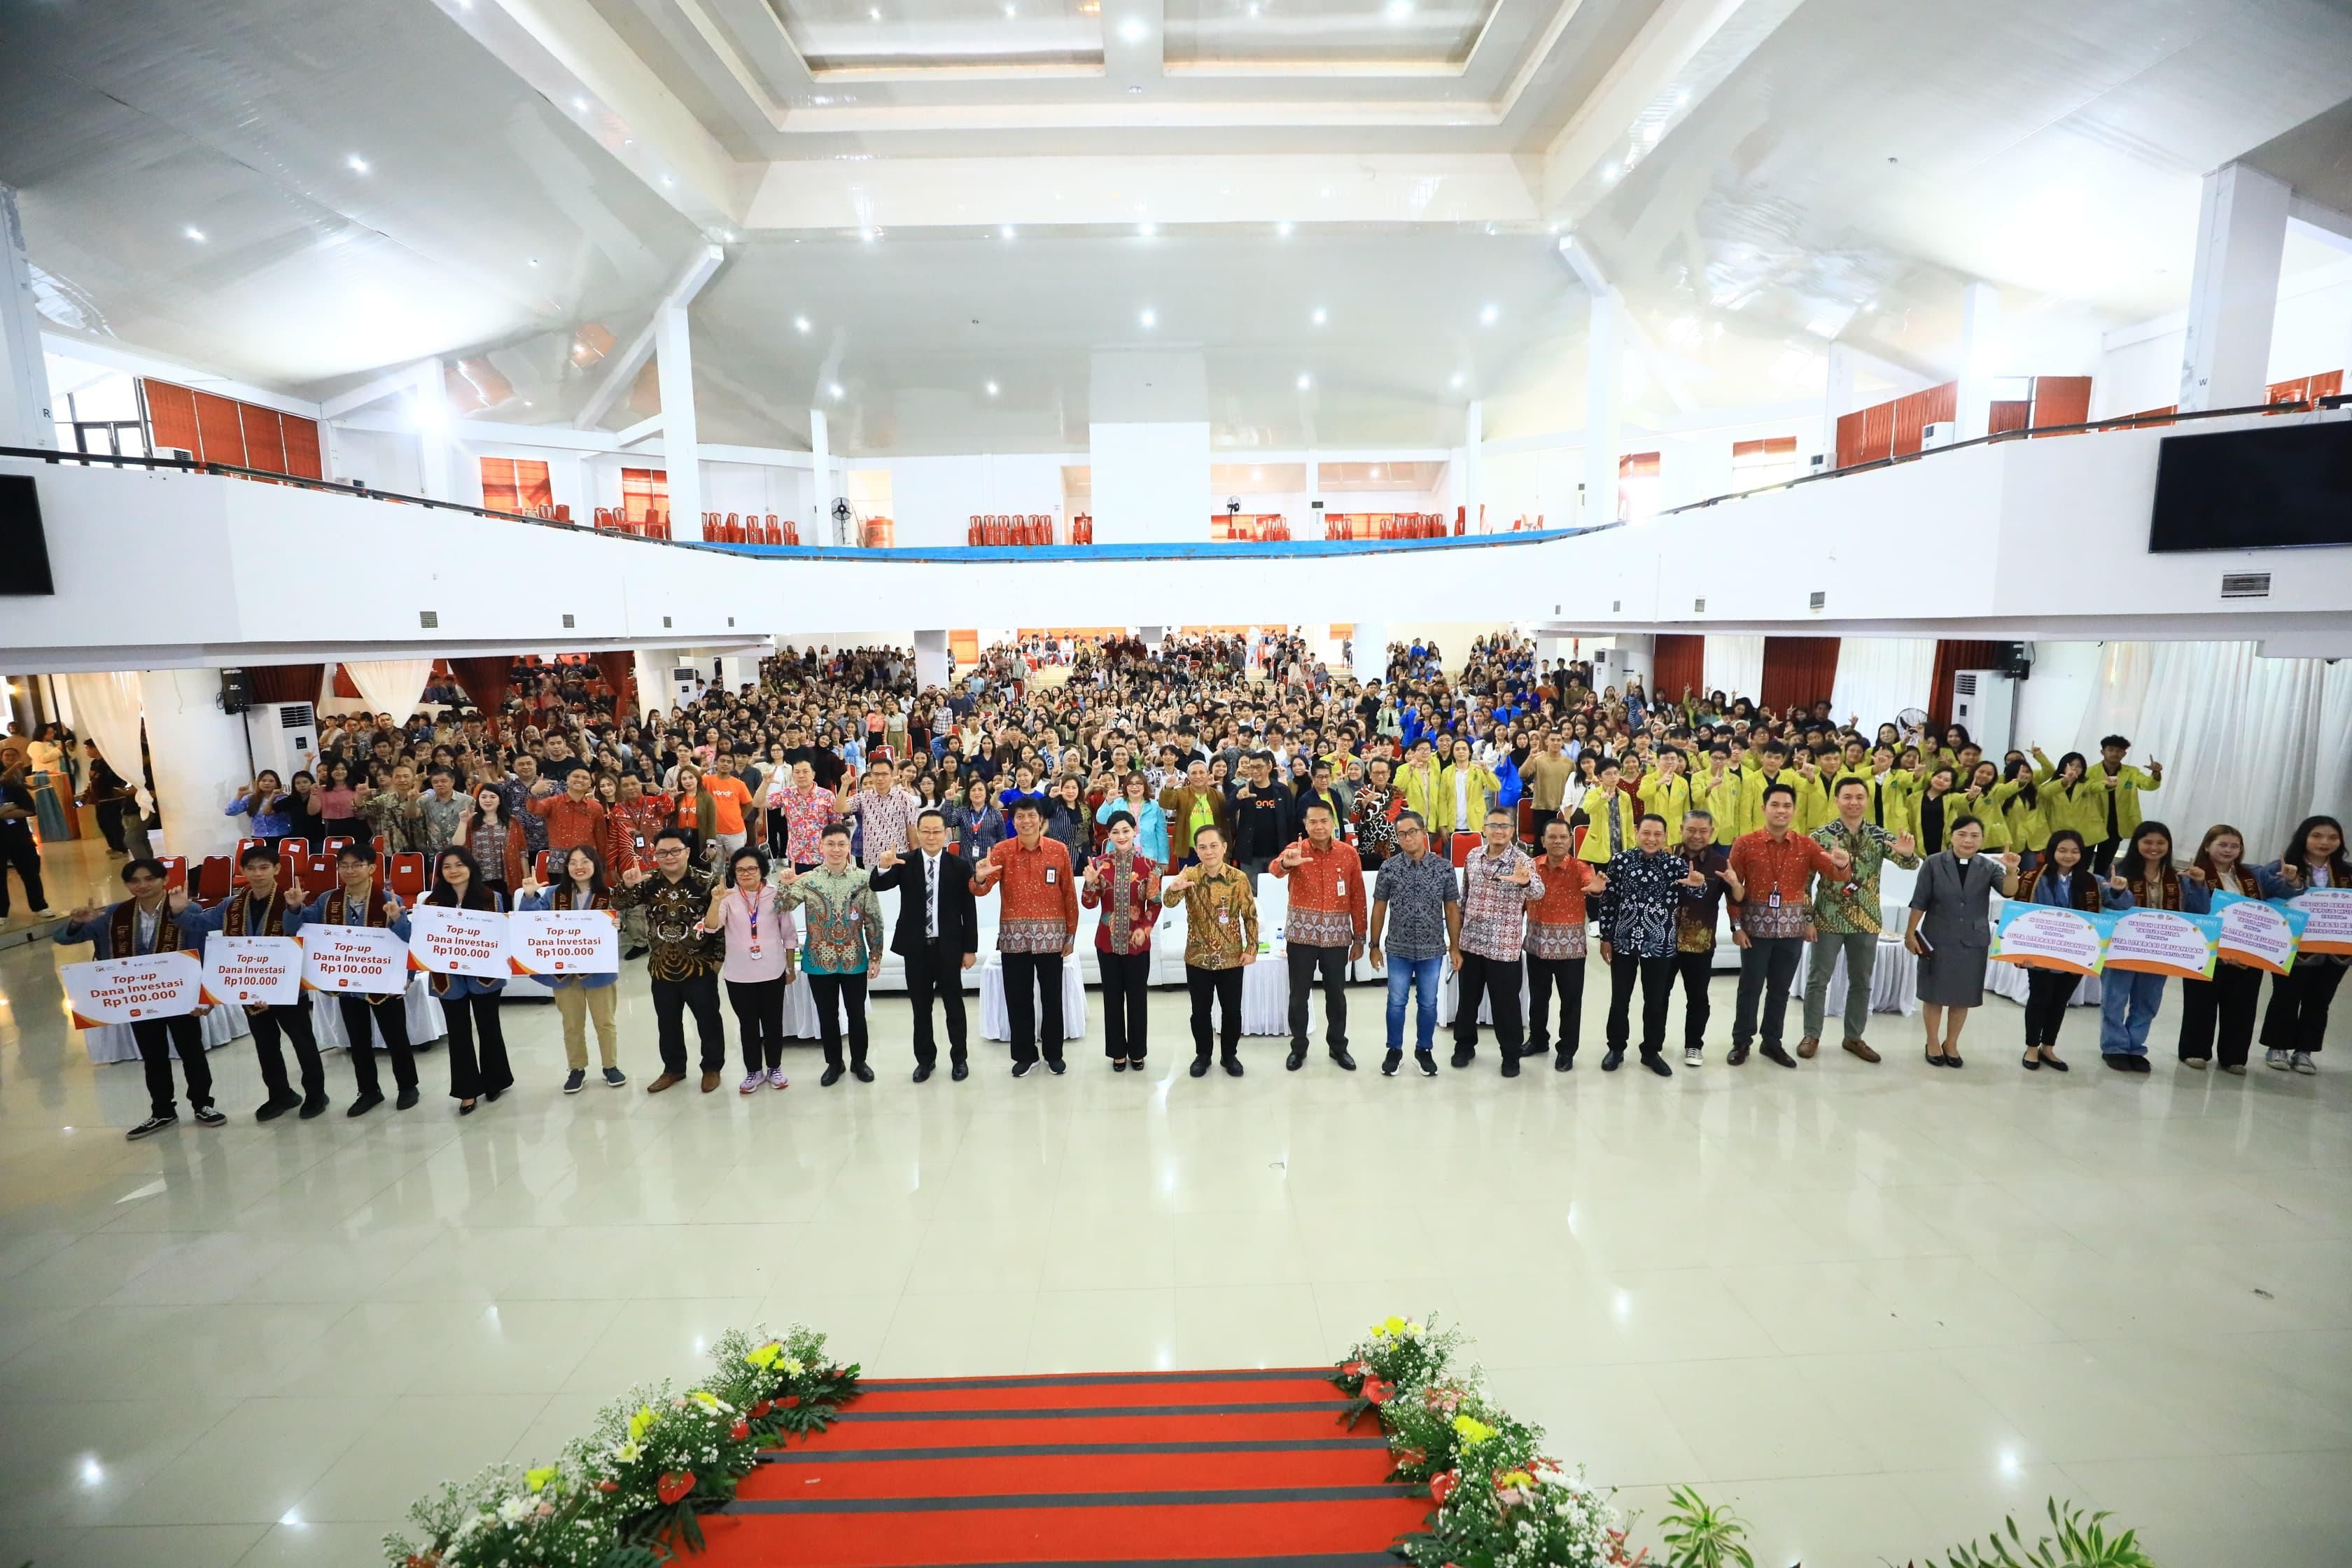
[1942,432]
[685,679]
[283,736]
[1984,702]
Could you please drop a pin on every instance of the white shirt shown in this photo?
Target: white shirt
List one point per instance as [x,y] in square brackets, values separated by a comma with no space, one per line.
[931,896]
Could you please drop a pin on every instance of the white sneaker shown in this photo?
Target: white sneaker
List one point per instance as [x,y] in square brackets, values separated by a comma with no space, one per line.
[2303,1062]
[2279,1060]
[776,1079]
[753,1082]
[1693,1057]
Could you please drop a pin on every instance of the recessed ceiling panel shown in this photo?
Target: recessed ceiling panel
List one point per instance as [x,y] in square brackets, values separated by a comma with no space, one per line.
[943,35]
[1395,34]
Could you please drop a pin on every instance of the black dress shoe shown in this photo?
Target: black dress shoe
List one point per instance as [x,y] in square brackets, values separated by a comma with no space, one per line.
[1510,1064]
[1200,1066]
[1463,1056]
[1613,1060]
[959,1071]
[1054,1065]
[314,1108]
[1389,1062]
[274,1108]
[408,1101]
[1233,1067]
[2117,1060]
[830,1076]
[862,1073]
[1119,1064]
[1341,1059]
[1738,1057]
[1297,1058]
[364,1104]
[1656,1064]
[922,1073]
[1563,1062]
[1779,1056]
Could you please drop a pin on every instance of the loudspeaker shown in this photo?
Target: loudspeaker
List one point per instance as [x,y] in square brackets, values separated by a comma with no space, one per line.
[236,691]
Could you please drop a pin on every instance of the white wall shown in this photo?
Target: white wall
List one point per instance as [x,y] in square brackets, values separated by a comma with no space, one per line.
[382,460]
[2311,333]
[2052,700]
[933,499]
[1150,482]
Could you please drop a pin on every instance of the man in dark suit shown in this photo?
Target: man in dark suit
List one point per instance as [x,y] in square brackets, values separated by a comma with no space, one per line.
[937,936]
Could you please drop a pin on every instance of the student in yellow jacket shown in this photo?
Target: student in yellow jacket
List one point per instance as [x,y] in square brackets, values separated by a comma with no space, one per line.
[1814,809]
[2106,805]
[1720,792]
[1667,791]
[1976,797]
[1465,790]
[1417,781]
[1773,768]
[2068,797]
[1889,805]
[1610,818]
[2020,801]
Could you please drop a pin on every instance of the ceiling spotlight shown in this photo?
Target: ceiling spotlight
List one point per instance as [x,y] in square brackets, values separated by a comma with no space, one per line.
[1005,231]
[1008,12]
[1305,380]
[667,181]
[1375,471]
[581,104]
[195,234]
[1147,229]
[1609,173]
[1399,9]
[1486,317]
[534,260]
[869,235]
[992,389]
[1457,380]
[800,323]
[836,391]
[875,12]
[1283,228]
[1317,317]
[358,165]
[1150,318]
[1132,30]
[1135,89]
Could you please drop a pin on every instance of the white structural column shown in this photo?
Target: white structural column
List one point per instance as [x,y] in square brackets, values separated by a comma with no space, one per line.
[25,416]
[201,761]
[821,478]
[1837,401]
[429,407]
[931,659]
[681,441]
[1979,358]
[1473,466]
[1371,650]
[1602,345]
[1153,636]
[1314,494]
[2233,292]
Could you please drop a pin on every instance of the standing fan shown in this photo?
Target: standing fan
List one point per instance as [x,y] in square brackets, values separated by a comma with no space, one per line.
[1913,721]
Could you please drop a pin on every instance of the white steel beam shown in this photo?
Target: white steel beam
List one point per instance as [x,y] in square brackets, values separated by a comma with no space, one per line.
[620,370]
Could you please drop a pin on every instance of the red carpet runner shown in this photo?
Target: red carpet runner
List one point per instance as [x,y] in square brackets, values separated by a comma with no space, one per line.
[1242,1470]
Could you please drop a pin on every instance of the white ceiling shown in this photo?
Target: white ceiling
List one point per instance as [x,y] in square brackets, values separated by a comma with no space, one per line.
[1759,177]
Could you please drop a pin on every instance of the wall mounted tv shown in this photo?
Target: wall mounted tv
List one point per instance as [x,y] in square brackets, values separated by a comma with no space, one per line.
[2278,486]
[24,548]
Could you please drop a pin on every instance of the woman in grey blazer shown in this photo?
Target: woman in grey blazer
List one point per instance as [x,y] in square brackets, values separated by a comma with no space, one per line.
[1951,931]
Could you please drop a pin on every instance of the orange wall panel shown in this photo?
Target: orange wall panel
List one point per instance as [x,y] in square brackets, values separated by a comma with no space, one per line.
[265,443]
[220,431]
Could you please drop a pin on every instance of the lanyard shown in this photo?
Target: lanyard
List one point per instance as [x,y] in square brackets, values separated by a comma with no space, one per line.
[750,913]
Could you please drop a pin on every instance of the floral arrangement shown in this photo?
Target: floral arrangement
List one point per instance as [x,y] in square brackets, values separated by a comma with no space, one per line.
[631,1491]
[1400,1352]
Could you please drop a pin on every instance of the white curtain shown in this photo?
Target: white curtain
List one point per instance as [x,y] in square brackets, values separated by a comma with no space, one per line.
[107,710]
[2331,788]
[393,686]
[2115,702]
[653,682]
[1877,677]
[1735,666]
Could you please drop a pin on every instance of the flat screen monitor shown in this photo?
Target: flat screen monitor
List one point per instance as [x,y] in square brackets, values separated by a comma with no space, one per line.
[2272,488]
[24,548]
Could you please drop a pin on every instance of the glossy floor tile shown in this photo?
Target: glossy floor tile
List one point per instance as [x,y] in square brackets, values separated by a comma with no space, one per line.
[1872,1307]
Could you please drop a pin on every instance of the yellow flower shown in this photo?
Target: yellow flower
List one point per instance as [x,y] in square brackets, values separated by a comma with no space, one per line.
[1517,1478]
[1473,1430]
[793,1367]
[766,1356]
[1389,1328]
[537,1479]
[627,1452]
[707,1400]
[641,1423]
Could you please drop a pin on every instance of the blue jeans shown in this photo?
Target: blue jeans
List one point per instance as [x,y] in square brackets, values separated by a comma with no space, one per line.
[1406,974]
[2128,1005]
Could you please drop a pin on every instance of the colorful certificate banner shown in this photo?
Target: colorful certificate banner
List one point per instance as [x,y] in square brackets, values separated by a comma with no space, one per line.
[445,940]
[2043,936]
[2260,933]
[563,941]
[2327,913]
[252,971]
[2163,942]
[365,961]
[129,990]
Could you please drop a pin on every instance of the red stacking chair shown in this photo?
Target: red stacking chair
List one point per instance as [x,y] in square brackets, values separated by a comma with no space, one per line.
[775,534]
[1462,844]
[238,860]
[331,848]
[408,878]
[539,867]
[734,528]
[563,512]
[176,870]
[212,883]
[291,853]
[377,845]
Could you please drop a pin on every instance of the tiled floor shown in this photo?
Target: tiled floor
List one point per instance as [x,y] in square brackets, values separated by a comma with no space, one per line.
[1872,1307]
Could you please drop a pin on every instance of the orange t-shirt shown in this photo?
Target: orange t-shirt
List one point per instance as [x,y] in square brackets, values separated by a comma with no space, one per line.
[728,797]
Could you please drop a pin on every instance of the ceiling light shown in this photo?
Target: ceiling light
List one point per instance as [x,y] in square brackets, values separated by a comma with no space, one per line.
[1305,380]
[1150,318]
[1609,173]
[1005,231]
[1147,229]
[1486,317]
[836,390]
[1132,30]
[992,389]
[195,234]
[1870,308]
[1376,472]
[534,260]
[358,165]
[1399,9]
[1253,9]
[800,323]
[1682,97]
[1283,228]
[1135,89]
[1008,12]
[875,13]
[581,104]
[1317,318]
[667,181]
[1457,380]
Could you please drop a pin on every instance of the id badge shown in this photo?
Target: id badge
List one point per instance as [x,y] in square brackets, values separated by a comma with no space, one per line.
[755,950]
[1340,886]
[1774,901]
[1225,917]
[1050,873]
[856,915]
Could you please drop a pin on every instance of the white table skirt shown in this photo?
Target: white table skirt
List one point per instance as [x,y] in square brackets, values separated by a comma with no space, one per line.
[996,1023]
[801,1021]
[424,1021]
[114,1042]
[1266,997]
[1893,982]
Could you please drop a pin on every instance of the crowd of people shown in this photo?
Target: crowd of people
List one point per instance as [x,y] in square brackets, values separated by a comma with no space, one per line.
[742,839]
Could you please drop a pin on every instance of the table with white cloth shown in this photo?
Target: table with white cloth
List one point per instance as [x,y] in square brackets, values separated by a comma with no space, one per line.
[115,1043]
[996,1023]
[424,1021]
[2009,980]
[801,1022]
[1894,981]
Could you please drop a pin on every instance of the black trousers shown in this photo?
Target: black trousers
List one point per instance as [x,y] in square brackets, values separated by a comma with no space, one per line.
[391,1017]
[2103,855]
[1331,964]
[18,849]
[1028,977]
[111,814]
[2047,993]
[2297,1016]
[1567,975]
[292,1020]
[158,1038]
[1224,987]
[935,970]
[758,1021]
[671,1000]
[1695,970]
[1767,967]
[833,994]
[2223,1005]
[1493,978]
[477,1046]
[1127,992]
[1657,978]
